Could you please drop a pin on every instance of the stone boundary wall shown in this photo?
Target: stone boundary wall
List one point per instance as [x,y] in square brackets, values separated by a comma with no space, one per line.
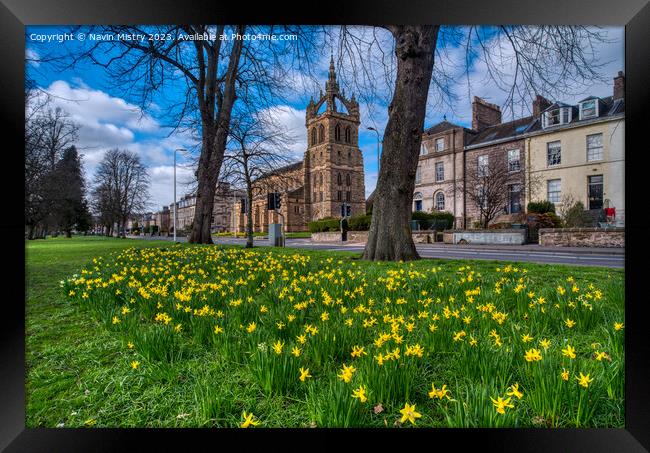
[582,237]
[419,237]
[485,237]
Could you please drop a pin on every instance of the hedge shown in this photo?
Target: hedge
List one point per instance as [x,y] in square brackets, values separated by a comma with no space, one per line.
[541,207]
[327,224]
[434,220]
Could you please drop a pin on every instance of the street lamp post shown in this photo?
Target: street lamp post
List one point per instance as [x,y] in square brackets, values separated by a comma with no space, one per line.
[378,155]
[175,207]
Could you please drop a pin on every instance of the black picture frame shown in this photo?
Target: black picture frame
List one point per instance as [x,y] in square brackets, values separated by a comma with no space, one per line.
[633,14]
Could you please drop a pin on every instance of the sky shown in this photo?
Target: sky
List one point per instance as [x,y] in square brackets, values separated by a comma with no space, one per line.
[111,117]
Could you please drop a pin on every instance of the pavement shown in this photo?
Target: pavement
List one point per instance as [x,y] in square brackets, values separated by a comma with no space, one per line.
[582,256]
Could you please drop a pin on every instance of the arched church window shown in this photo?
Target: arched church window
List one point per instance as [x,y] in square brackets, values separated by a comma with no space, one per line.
[337,133]
[321,134]
[348,135]
[313,136]
[338,179]
[348,180]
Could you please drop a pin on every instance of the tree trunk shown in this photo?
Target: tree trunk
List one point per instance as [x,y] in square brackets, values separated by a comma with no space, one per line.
[390,231]
[201,233]
[215,134]
[32,228]
[68,233]
[249,214]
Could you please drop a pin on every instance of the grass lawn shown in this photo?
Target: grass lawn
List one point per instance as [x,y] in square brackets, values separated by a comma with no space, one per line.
[191,336]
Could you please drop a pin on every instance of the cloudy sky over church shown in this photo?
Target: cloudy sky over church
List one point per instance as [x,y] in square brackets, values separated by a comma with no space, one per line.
[109,117]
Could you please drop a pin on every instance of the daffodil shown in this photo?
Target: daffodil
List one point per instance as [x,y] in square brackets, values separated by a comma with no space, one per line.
[501,404]
[584,380]
[304,374]
[564,374]
[135,364]
[409,413]
[533,355]
[346,373]
[514,391]
[360,393]
[569,352]
[249,420]
[277,347]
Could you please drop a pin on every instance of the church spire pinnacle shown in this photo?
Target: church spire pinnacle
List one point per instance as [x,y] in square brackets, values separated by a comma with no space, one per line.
[332,75]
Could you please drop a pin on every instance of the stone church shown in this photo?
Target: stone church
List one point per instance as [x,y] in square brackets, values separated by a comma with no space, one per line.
[330,174]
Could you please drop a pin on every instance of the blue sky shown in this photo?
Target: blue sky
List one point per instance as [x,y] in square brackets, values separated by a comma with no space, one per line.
[110,118]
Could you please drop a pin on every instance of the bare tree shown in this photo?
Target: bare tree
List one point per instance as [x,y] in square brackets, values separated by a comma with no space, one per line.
[213,66]
[258,146]
[121,188]
[487,186]
[48,132]
[520,60]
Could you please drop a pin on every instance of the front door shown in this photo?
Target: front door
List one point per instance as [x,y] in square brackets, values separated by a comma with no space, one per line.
[595,192]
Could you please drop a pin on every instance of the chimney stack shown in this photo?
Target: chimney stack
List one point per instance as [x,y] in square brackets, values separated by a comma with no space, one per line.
[484,114]
[540,104]
[619,86]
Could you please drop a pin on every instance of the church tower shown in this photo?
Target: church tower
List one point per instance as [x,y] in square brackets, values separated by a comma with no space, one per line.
[333,162]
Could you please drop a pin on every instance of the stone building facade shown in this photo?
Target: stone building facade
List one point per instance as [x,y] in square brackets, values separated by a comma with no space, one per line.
[578,153]
[587,154]
[438,179]
[330,174]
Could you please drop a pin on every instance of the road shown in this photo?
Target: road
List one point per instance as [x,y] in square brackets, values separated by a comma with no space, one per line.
[533,253]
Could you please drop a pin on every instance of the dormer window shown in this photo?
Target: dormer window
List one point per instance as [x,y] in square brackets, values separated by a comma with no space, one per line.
[555,117]
[589,109]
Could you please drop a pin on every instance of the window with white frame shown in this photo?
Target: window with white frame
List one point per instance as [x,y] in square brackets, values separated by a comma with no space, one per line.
[554,190]
[440,201]
[556,117]
[513,160]
[553,153]
[589,109]
[482,165]
[440,171]
[418,177]
[594,147]
[440,144]
[423,149]
[417,201]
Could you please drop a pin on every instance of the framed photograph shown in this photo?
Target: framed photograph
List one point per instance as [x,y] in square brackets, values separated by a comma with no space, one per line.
[371,220]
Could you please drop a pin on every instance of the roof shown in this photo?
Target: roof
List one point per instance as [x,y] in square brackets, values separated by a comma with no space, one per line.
[608,107]
[285,169]
[297,193]
[511,129]
[442,126]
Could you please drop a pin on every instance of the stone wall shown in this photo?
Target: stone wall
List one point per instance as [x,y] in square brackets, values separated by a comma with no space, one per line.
[490,237]
[419,237]
[335,236]
[582,237]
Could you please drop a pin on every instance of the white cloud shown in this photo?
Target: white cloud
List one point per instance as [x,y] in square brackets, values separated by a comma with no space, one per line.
[292,122]
[32,57]
[98,110]
[162,184]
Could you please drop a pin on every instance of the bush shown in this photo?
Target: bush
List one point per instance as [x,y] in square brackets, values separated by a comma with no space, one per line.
[327,224]
[577,217]
[360,222]
[500,226]
[434,220]
[541,207]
